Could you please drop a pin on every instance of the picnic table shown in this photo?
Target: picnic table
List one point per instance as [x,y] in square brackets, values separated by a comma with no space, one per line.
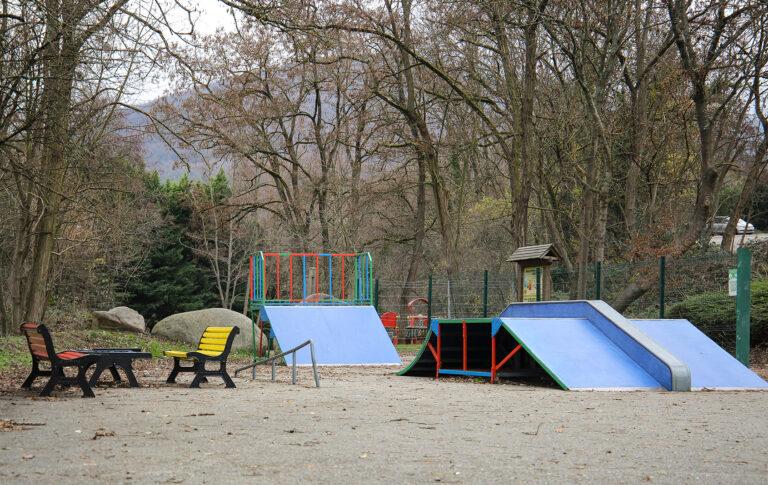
[112,359]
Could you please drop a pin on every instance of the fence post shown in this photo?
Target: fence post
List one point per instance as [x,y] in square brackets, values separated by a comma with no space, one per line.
[662,284]
[429,301]
[376,295]
[598,280]
[538,284]
[743,303]
[485,294]
[450,298]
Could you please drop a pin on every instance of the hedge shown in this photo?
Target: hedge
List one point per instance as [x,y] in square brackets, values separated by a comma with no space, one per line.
[714,313]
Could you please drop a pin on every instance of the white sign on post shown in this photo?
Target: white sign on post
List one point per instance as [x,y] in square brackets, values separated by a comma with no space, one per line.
[732,282]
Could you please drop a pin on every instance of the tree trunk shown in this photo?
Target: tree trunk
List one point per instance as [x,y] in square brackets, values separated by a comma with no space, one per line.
[582,259]
[527,129]
[57,95]
[758,165]
[417,253]
[639,100]
[5,327]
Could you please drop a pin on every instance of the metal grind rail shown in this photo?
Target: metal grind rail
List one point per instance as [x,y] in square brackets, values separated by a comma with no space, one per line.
[274,358]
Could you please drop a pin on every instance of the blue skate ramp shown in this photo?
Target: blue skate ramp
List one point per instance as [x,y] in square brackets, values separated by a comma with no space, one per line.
[342,335]
[666,369]
[711,366]
[578,355]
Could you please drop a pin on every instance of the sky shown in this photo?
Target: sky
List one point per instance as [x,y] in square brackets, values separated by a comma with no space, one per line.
[213,15]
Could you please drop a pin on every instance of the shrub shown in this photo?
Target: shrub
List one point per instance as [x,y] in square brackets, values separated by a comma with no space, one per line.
[714,313]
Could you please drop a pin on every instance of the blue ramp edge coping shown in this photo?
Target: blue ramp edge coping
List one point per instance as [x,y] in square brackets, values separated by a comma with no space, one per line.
[342,335]
[666,369]
[711,366]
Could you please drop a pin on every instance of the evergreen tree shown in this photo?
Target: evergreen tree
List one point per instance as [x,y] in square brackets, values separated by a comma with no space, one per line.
[173,279]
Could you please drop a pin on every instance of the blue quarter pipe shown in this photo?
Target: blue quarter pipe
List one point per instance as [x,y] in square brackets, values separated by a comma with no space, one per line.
[342,335]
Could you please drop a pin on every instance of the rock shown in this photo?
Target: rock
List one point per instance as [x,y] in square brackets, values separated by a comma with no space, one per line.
[120,318]
[189,326]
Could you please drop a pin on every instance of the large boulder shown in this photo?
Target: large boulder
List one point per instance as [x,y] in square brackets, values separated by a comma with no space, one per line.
[120,318]
[189,326]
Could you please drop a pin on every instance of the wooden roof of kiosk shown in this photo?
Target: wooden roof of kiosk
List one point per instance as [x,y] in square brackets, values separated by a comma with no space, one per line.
[543,254]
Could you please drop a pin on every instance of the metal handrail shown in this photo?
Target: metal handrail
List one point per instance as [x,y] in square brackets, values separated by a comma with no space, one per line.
[274,358]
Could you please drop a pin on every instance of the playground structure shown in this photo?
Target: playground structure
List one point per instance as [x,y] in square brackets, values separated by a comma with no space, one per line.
[580,345]
[319,278]
[416,327]
[323,297]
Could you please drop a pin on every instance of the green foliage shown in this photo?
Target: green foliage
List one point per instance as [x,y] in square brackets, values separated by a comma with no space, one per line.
[173,279]
[218,187]
[714,313]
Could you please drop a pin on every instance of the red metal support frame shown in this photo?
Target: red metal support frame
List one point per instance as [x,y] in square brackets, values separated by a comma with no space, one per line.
[317,274]
[495,367]
[464,345]
[432,351]
[290,277]
[343,283]
[277,277]
[509,356]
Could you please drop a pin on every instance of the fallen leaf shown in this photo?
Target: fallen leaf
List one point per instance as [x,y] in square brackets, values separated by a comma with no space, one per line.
[101,433]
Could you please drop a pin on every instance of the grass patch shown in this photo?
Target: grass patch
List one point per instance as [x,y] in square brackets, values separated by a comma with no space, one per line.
[14,351]
[408,347]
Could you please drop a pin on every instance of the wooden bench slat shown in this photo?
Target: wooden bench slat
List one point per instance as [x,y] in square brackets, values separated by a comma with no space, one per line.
[208,334]
[214,341]
[217,348]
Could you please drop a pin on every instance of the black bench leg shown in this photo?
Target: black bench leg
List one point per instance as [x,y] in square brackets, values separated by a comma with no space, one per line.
[199,375]
[83,382]
[128,369]
[174,372]
[32,376]
[227,380]
[56,374]
[115,374]
[96,374]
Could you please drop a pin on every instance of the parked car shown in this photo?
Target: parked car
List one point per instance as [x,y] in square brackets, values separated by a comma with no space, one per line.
[720,222]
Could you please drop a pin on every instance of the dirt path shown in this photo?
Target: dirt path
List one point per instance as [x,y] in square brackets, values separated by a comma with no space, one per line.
[365,425]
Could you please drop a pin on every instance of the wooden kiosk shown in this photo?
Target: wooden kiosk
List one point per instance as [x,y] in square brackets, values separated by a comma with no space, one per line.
[534,277]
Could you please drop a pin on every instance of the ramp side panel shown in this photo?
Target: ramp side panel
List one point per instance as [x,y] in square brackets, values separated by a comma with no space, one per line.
[663,366]
[342,335]
[422,359]
[577,354]
[711,366]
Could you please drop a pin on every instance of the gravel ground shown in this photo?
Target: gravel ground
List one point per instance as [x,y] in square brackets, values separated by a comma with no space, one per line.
[365,425]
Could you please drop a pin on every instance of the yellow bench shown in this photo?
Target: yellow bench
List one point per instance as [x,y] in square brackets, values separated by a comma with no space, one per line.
[214,346]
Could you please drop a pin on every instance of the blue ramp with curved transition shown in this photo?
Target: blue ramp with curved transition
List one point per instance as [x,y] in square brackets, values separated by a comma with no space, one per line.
[576,354]
[342,335]
[594,346]
[711,366]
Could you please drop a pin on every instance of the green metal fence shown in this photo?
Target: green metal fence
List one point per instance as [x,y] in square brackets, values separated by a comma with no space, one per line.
[672,281]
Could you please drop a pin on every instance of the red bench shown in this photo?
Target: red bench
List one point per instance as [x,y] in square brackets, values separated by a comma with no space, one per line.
[41,348]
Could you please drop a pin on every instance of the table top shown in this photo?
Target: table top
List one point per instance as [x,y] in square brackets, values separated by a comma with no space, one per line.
[134,353]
